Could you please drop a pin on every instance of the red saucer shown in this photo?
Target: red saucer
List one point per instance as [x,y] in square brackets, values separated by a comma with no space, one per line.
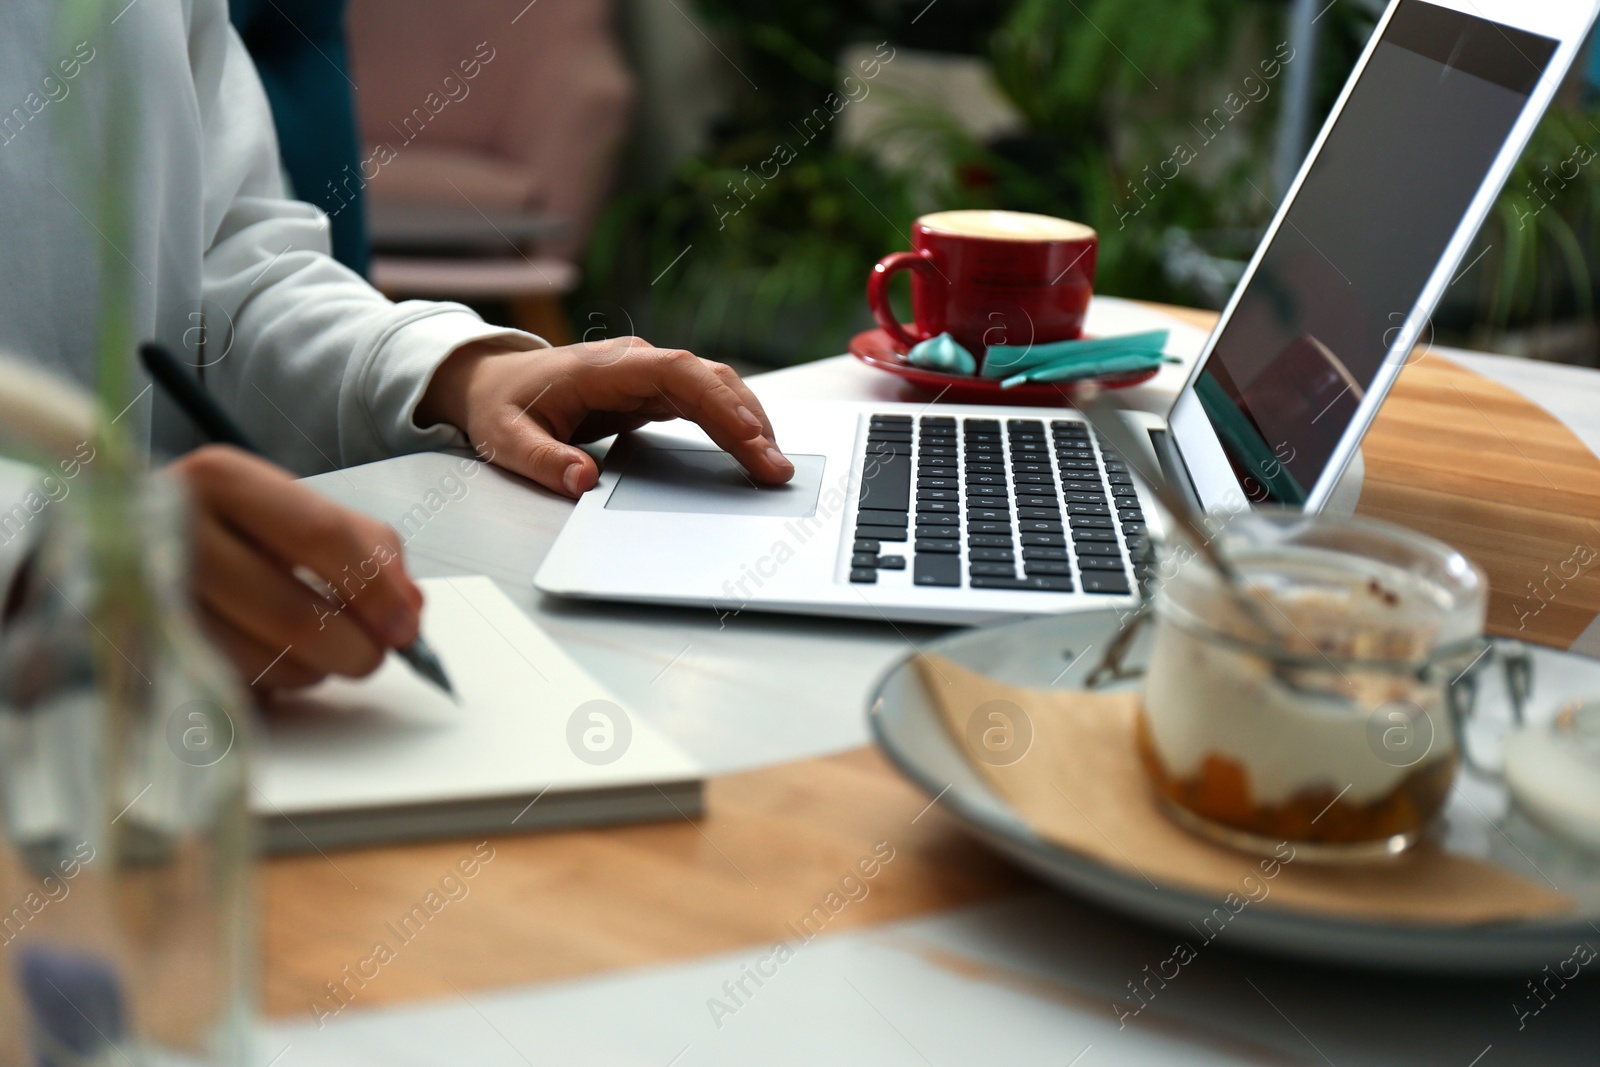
[877,349]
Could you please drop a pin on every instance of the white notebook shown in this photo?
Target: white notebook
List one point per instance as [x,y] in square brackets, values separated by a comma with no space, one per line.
[535,742]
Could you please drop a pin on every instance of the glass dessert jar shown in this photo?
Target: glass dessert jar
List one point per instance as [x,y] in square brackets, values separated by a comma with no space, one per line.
[1320,713]
[126,926]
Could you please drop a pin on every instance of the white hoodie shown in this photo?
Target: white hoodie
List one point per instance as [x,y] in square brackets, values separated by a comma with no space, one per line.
[315,364]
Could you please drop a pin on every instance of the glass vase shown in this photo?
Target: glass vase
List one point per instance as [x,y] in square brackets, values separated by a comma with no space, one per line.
[125,918]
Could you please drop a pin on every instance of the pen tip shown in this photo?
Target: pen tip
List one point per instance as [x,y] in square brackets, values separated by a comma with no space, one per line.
[440,679]
[426,663]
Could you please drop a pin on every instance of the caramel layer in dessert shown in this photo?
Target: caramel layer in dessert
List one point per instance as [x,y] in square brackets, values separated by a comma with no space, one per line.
[1220,791]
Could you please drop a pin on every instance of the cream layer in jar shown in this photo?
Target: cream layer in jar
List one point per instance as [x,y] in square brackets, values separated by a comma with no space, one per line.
[1333,749]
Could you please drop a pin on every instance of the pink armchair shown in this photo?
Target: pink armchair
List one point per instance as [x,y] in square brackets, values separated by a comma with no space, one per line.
[484,122]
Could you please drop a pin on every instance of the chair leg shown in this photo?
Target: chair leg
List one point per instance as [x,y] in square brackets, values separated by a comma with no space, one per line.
[544,315]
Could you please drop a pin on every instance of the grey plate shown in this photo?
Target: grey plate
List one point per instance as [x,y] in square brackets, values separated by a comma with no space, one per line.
[1479,820]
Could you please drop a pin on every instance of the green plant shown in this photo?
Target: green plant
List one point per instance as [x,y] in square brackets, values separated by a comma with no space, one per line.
[1060,63]
[100,150]
[1545,228]
[768,270]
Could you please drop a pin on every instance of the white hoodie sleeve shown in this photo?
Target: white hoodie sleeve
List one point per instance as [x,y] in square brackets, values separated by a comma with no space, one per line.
[322,370]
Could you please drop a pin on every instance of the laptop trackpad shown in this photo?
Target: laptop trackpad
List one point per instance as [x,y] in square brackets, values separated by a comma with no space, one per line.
[712,483]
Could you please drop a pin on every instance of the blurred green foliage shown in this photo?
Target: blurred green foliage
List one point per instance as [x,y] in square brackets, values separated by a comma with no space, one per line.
[781,278]
[773,270]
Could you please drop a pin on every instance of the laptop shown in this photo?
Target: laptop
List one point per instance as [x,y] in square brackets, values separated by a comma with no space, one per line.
[969,514]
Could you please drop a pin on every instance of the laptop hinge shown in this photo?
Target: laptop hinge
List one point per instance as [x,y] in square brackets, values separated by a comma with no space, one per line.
[1173,469]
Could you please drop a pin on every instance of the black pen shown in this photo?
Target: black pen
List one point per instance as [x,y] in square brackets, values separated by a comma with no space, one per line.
[216,423]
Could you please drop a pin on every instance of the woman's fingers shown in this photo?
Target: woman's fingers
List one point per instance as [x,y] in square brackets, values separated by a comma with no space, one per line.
[543,400]
[525,408]
[699,392]
[358,557]
[252,593]
[671,383]
[523,444]
[731,379]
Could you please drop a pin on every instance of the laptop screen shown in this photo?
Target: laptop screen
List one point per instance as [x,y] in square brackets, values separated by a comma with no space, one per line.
[1396,174]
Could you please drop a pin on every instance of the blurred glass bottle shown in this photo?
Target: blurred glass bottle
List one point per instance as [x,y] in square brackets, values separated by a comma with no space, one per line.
[126,933]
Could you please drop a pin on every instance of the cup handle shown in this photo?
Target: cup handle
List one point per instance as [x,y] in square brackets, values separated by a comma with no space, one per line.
[878,293]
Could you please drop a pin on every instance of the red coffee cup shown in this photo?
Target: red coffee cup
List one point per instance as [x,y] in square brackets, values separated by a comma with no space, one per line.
[990,278]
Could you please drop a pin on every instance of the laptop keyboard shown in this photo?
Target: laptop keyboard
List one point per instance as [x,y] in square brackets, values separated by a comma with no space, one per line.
[995,504]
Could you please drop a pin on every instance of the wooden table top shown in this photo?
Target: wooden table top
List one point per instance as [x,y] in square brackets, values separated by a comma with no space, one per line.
[1451,454]
[772,845]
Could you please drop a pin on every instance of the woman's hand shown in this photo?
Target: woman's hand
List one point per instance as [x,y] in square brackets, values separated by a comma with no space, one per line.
[256,533]
[525,409]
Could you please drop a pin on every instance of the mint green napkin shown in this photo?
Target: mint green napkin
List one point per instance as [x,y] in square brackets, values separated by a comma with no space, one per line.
[1061,361]
[1094,367]
[1005,361]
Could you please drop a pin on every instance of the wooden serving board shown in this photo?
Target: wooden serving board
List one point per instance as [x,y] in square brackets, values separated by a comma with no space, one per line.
[1464,459]
[772,846]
